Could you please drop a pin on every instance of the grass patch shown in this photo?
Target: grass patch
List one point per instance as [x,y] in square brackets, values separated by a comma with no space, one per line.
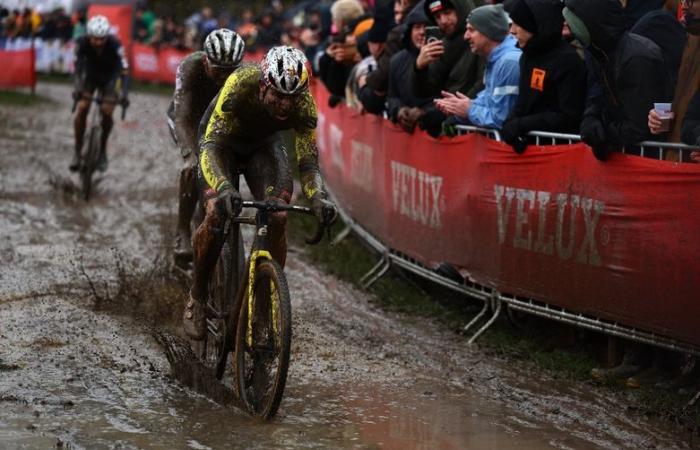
[562,351]
[19,98]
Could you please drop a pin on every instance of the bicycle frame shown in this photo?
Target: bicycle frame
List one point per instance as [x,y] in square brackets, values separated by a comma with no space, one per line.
[260,250]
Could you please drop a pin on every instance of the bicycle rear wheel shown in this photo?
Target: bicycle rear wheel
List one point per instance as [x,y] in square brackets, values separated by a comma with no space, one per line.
[223,286]
[90,159]
[263,341]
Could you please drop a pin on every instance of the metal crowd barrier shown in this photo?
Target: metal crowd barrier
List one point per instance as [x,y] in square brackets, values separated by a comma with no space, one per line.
[493,299]
[664,151]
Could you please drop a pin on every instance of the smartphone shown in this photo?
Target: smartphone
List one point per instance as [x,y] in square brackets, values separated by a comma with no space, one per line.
[433,34]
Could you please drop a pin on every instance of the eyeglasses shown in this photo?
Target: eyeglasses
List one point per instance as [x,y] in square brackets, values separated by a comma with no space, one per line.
[689,3]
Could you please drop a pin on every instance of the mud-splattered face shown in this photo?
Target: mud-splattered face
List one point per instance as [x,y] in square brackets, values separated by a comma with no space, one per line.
[278,105]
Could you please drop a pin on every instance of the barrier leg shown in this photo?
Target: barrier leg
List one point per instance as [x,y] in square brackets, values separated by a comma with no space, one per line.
[342,235]
[376,267]
[496,299]
[384,269]
[476,318]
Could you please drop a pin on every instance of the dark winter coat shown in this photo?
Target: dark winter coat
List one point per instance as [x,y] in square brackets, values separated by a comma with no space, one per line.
[630,69]
[691,123]
[458,69]
[552,84]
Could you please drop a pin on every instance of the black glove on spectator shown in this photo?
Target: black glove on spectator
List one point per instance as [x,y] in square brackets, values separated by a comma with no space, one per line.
[325,210]
[229,202]
[511,134]
[431,122]
[593,133]
[449,126]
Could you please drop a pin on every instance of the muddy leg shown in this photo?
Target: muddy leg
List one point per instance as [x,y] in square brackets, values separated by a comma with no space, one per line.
[186,207]
[270,178]
[79,122]
[106,109]
[207,241]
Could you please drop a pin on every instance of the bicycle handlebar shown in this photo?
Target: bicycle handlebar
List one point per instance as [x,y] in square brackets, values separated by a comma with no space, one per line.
[276,207]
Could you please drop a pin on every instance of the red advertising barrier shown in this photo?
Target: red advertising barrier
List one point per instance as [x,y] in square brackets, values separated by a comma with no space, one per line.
[17,68]
[617,240]
[120,17]
[168,60]
[145,64]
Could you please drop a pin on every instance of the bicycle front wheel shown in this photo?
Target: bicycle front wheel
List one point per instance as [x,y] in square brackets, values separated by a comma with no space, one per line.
[263,340]
[90,160]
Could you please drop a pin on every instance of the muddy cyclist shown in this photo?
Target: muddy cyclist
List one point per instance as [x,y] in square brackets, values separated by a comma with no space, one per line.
[100,64]
[242,137]
[198,79]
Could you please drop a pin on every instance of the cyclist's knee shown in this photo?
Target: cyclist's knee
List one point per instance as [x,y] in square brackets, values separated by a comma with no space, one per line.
[107,109]
[212,212]
[82,108]
[278,221]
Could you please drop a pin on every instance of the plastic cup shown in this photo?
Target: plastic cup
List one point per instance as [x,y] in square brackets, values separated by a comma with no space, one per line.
[663,110]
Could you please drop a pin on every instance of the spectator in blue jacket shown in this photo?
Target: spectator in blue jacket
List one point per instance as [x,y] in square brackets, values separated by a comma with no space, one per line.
[488,37]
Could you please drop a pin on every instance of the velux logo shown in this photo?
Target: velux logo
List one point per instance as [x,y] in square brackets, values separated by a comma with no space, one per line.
[416,194]
[529,232]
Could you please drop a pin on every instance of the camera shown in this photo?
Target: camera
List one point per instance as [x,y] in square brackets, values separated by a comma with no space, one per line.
[433,34]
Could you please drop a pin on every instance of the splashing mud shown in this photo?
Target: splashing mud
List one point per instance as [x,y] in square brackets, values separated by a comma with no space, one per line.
[90,355]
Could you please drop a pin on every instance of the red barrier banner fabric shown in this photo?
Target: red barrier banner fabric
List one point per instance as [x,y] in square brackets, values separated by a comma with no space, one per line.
[17,68]
[145,64]
[120,18]
[168,60]
[618,240]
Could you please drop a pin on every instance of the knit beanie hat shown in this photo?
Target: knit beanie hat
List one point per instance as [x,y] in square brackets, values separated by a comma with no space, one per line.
[383,23]
[491,21]
[522,15]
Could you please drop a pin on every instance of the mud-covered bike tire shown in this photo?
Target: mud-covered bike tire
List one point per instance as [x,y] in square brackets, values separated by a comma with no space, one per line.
[223,287]
[249,373]
[89,163]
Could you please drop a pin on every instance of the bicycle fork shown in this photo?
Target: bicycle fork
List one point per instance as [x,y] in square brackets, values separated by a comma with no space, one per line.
[256,255]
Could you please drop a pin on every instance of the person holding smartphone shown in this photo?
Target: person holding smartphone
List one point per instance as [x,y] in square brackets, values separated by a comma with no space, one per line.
[446,62]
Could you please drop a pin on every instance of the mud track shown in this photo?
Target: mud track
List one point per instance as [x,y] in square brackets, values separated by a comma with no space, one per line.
[78,370]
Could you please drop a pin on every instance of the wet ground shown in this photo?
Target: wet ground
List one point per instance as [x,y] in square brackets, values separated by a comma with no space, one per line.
[73,376]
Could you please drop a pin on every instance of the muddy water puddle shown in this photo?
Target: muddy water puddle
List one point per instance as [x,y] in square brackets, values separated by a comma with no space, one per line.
[360,377]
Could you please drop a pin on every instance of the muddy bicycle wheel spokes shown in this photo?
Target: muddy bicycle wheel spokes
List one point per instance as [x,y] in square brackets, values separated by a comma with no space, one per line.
[263,341]
[213,346]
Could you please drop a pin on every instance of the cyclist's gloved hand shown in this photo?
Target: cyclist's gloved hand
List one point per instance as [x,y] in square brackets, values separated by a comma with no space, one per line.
[325,210]
[124,102]
[229,201]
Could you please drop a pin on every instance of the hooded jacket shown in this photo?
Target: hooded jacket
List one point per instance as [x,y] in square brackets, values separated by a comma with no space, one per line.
[630,70]
[552,84]
[400,92]
[458,69]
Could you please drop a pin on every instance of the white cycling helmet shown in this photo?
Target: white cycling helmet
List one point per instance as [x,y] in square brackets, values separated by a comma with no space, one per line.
[224,48]
[98,26]
[285,69]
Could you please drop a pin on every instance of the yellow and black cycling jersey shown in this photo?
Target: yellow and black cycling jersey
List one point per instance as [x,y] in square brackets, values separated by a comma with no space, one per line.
[238,120]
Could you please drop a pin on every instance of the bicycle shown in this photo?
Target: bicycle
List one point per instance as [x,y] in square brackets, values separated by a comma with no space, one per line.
[256,326]
[92,151]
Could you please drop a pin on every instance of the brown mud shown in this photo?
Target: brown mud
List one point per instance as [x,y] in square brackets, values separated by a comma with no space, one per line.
[88,308]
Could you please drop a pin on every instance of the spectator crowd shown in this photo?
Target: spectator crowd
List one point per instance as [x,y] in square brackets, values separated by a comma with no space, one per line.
[604,69]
